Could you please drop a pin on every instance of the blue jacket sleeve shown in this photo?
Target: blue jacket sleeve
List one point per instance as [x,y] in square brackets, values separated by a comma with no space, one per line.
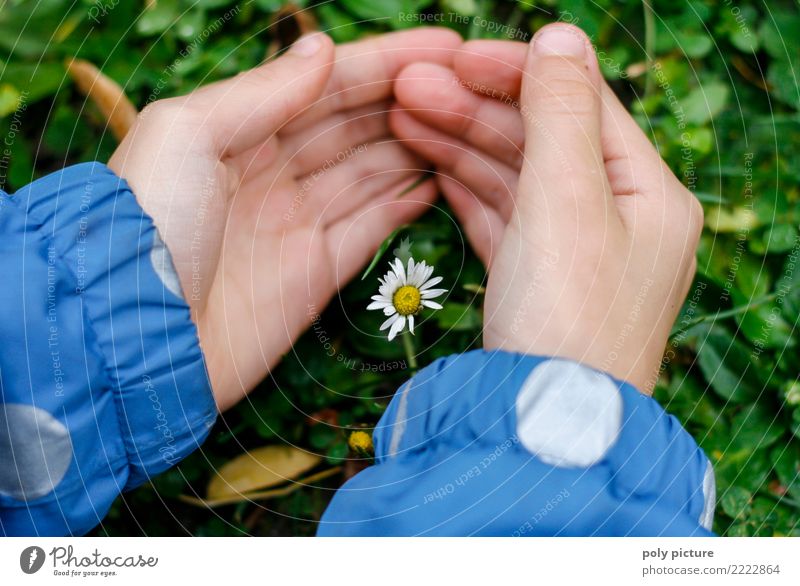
[102,379]
[494,443]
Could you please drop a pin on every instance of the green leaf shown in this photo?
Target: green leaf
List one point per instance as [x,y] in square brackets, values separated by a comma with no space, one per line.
[459,317]
[9,99]
[756,427]
[29,31]
[190,25]
[783,79]
[739,530]
[35,80]
[462,7]
[705,102]
[779,238]
[701,140]
[694,44]
[158,19]
[736,502]
[791,392]
[739,26]
[780,34]
[763,324]
[728,367]
[337,23]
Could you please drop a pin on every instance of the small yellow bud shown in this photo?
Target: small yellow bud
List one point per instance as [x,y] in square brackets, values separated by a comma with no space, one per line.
[360,441]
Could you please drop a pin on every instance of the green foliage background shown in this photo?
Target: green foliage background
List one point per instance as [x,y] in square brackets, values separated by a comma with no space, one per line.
[721,103]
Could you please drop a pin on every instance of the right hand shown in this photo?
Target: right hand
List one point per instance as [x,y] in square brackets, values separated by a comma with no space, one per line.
[591,252]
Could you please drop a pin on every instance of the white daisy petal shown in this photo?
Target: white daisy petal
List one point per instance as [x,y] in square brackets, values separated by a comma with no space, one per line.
[400,271]
[431,293]
[379,305]
[389,322]
[431,283]
[419,275]
[411,272]
[415,272]
[392,285]
[397,327]
[411,323]
[431,304]
[389,310]
[427,274]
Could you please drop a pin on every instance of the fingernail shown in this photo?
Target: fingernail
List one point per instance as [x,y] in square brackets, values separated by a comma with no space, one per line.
[559,40]
[306,45]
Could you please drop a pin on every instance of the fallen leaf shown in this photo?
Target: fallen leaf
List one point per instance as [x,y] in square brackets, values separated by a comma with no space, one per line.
[260,495]
[259,469]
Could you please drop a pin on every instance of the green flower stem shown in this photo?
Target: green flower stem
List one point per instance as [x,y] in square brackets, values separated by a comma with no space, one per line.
[408,346]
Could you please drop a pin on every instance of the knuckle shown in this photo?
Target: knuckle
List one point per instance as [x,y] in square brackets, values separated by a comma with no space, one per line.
[564,91]
[163,111]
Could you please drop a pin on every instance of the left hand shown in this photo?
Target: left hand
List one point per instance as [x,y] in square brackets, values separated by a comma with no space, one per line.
[272,189]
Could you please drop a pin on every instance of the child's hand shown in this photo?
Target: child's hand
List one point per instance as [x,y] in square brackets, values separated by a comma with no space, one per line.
[273,188]
[593,257]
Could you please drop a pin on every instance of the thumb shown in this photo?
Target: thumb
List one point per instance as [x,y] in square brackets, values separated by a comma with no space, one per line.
[242,112]
[560,106]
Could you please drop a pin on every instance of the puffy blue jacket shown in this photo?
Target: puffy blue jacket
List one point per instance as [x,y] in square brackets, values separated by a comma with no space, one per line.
[102,379]
[103,385]
[494,443]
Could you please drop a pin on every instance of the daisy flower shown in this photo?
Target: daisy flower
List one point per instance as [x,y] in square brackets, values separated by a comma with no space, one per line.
[404,291]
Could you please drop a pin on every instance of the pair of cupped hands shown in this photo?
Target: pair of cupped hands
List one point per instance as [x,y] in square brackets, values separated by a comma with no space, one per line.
[274,188]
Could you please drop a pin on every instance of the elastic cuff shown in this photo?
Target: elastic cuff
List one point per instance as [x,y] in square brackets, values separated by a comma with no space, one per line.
[132,297]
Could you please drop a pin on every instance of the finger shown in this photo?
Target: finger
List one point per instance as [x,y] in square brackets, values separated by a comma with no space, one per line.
[436,96]
[491,180]
[353,240]
[563,172]
[495,68]
[331,193]
[328,139]
[246,110]
[482,224]
[633,165]
[365,70]
[492,67]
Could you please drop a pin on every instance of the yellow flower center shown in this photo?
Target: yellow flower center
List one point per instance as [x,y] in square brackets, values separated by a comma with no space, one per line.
[406,300]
